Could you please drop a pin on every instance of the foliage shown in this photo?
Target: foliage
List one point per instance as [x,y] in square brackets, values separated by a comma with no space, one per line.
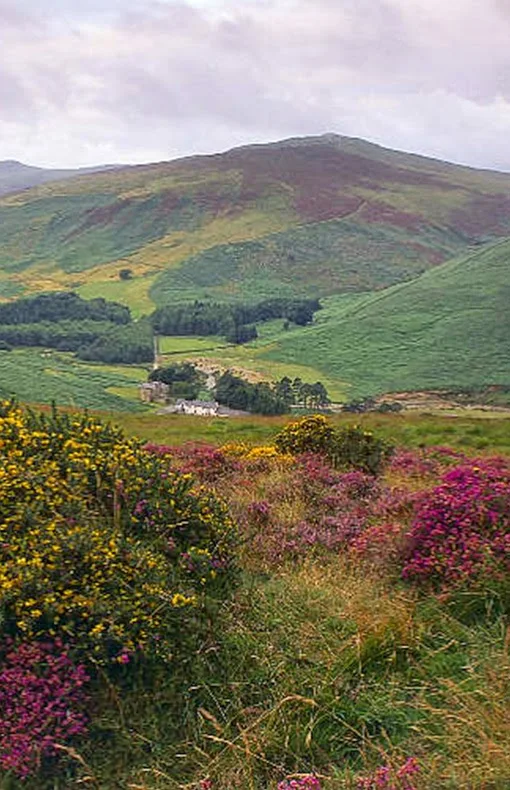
[313,434]
[327,667]
[62,306]
[386,778]
[94,531]
[132,344]
[461,533]
[184,379]
[242,333]
[302,783]
[354,447]
[235,322]
[96,329]
[347,447]
[237,393]
[42,703]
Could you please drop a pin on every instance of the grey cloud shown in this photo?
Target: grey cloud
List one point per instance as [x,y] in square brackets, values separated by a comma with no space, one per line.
[126,80]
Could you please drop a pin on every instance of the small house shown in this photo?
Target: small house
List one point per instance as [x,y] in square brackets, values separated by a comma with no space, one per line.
[200,408]
[154,392]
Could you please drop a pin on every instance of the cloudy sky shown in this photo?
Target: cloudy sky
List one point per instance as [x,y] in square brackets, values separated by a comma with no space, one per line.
[85,82]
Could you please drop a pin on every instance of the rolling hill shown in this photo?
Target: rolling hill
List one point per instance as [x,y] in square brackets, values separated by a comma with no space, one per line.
[310,216]
[448,328]
[15,176]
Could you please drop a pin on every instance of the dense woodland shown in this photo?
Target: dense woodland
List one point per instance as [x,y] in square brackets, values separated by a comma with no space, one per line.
[95,329]
[62,306]
[103,331]
[235,322]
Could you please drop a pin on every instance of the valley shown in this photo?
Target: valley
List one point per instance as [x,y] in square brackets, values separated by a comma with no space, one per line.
[408,256]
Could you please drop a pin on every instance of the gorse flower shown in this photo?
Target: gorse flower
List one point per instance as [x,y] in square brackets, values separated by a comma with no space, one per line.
[93,530]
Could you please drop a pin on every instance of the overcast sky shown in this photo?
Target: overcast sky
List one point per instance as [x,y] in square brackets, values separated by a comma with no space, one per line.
[84,82]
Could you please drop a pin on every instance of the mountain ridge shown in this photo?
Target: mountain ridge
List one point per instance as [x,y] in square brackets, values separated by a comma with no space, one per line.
[301,217]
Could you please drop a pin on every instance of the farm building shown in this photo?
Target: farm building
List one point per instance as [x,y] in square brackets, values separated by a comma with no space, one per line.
[154,392]
[201,408]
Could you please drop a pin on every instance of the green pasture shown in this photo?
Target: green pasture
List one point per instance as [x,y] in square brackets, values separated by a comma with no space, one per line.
[486,433]
[35,376]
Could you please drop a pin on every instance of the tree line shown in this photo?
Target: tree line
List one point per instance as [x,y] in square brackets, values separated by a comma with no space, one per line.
[104,331]
[62,306]
[100,341]
[263,398]
[235,322]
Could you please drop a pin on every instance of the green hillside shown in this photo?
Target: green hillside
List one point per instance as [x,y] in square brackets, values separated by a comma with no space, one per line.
[311,216]
[448,328]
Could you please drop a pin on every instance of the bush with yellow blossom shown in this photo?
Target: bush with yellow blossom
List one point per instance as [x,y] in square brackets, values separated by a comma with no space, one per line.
[96,537]
[349,447]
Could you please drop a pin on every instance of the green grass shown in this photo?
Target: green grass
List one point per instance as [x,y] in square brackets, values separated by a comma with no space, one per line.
[448,328]
[28,375]
[190,345]
[311,260]
[474,434]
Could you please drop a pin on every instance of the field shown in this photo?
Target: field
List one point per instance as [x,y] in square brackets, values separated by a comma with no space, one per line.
[447,328]
[324,660]
[32,375]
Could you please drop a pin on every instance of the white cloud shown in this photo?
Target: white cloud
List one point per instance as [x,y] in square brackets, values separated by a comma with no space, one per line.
[121,80]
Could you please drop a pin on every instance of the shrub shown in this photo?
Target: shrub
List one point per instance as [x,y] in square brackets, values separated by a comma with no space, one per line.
[354,447]
[461,531]
[388,778]
[203,461]
[309,782]
[350,447]
[42,704]
[94,536]
[312,434]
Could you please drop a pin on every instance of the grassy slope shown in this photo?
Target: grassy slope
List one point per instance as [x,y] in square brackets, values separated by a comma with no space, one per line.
[449,327]
[315,216]
[29,376]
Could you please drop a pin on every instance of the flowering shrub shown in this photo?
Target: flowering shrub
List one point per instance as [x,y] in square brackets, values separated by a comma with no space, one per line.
[264,458]
[302,783]
[423,464]
[387,778]
[93,531]
[350,447]
[462,528]
[204,461]
[42,704]
[311,434]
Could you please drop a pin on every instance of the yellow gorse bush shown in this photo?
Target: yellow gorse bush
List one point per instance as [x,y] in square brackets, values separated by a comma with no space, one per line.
[99,542]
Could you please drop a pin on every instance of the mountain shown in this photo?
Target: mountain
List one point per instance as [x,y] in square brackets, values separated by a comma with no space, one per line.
[448,328]
[309,216]
[15,176]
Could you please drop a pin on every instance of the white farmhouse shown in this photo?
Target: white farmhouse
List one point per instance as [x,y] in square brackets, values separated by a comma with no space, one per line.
[201,408]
